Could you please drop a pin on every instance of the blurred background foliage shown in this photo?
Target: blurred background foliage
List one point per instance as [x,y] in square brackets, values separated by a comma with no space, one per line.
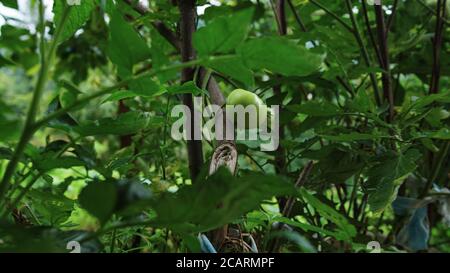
[108,174]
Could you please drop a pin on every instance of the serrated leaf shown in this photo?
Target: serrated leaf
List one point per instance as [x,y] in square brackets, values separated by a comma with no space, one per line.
[385,177]
[280,55]
[233,68]
[345,228]
[223,34]
[126,47]
[218,200]
[77,17]
[125,124]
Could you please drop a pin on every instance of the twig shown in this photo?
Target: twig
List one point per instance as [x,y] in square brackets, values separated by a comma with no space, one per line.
[297,17]
[384,51]
[369,30]
[158,25]
[442,157]
[280,156]
[392,17]
[437,46]
[332,14]
[27,133]
[287,210]
[187,28]
[298,184]
[364,50]
[303,27]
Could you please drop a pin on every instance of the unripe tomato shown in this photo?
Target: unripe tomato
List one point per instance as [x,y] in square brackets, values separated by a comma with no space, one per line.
[246,98]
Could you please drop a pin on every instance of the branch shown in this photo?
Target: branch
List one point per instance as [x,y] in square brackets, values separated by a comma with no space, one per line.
[165,31]
[392,17]
[287,211]
[280,156]
[437,46]
[447,22]
[364,51]
[187,28]
[298,19]
[27,133]
[384,51]
[371,35]
[332,14]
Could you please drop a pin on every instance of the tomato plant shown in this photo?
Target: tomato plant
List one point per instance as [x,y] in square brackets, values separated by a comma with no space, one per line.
[88,157]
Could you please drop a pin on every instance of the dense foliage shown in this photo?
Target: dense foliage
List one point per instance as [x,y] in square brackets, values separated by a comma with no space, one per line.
[86,153]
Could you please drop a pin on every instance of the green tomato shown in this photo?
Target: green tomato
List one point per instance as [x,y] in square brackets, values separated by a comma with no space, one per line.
[246,98]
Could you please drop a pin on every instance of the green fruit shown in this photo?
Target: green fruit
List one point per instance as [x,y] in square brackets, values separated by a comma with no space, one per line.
[246,98]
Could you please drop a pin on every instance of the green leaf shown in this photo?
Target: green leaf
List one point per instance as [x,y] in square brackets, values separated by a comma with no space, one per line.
[125,197]
[5,61]
[43,239]
[233,68]
[121,95]
[161,50]
[300,241]
[316,109]
[78,16]
[386,176]
[362,103]
[223,34]
[99,199]
[65,122]
[280,55]
[48,163]
[418,106]
[187,88]
[442,134]
[125,48]
[6,153]
[54,209]
[308,227]
[10,123]
[10,4]
[125,124]
[218,200]
[145,87]
[346,229]
[355,136]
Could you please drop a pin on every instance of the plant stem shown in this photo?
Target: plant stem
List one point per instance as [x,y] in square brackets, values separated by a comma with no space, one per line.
[384,51]
[188,16]
[437,168]
[332,14]
[21,195]
[369,30]
[437,46]
[280,156]
[33,109]
[364,50]
[297,17]
[392,17]
[447,22]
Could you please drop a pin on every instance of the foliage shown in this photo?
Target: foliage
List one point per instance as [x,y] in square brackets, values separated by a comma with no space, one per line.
[86,153]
